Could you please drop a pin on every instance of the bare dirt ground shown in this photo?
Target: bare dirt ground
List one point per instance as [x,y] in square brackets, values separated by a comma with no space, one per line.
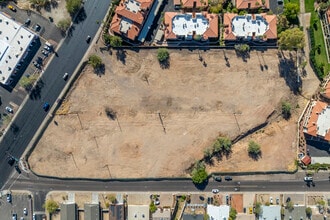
[165,118]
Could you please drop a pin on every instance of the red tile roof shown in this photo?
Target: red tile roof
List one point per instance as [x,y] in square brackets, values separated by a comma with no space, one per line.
[190,3]
[328,15]
[326,92]
[211,32]
[228,34]
[306,160]
[244,4]
[312,128]
[136,18]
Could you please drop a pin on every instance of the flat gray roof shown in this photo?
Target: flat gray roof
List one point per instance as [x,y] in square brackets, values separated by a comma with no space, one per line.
[68,211]
[91,212]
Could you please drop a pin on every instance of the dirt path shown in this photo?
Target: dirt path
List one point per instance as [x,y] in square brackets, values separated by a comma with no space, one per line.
[194,103]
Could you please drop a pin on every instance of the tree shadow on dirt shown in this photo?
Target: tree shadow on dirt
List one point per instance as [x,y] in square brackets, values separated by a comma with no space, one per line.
[121,55]
[243,55]
[35,93]
[110,113]
[288,71]
[100,71]
[165,64]
[255,156]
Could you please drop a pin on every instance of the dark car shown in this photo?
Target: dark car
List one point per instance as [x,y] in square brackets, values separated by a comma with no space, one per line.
[88,39]
[228,178]
[14,216]
[37,27]
[9,197]
[11,161]
[18,169]
[217,178]
[39,60]
[27,22]
[46,106]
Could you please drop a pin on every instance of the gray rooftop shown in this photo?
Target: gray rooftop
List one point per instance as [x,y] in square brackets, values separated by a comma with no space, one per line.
[91,212]
[298,213]
[68,211]
[116,212]
[192,217]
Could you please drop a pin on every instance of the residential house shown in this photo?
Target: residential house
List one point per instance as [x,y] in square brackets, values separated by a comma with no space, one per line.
[251,4]
[325,93]
[138,212]
[129,18]
[194,4]
[192,216]
[91,212]
[272,212]
[68,211]
[162,214]
[189,26]
[218,212]
[117,212]
[250,27]
[316,125]
[298,213]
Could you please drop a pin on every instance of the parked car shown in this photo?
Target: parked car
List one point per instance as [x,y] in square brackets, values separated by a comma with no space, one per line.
[37,27]
[48,48]
[65,76]
[11,161]
[34,216]
[215,191]
[12,8]
[37,65]
[14,216]
[27,22]
[9,109]
[217,178]
[9,197]
[88,39]
[308,178]
[25,212]
[46,106]
[228,178]
[271,200]
[44,52]
[18,169]
[39,60]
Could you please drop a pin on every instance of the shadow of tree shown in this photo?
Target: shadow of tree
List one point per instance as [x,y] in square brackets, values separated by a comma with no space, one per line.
[244,55]
[81,16]
[165,64]
[35,93]
[201,186]
[99,71]
[121,55]
[255,156]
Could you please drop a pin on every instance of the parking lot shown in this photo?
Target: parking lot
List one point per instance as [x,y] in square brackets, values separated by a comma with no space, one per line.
[17,205]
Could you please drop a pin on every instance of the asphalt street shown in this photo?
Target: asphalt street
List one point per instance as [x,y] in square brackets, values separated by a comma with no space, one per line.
[31,114]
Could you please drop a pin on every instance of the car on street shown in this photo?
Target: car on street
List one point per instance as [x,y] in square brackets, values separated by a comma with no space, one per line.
[12,8]
[9,109]
[25,212]
[27,22]
[14,216]
[9,197]
[11,161]
[308,178]
[217,178]
[228,178]
[46,106]
[18,169]
[215,191]
[37,27]
[65,76]
[88,39]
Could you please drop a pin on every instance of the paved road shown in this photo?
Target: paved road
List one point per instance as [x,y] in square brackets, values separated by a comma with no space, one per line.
[31,115]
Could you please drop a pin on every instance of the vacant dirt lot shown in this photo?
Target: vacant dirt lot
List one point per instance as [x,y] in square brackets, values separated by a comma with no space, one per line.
[139,120]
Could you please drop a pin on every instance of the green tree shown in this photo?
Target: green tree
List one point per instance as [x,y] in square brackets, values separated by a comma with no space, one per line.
[199,174]
[39,3]
[291,39]
[258,210]
[115,41]
[232,214]
[242,48]
[51,206]
[162,54]
[286,110]
[112,198]
[64,24]
[308,212]
[282,23]
[225,143]
[72,6]
[289,206]
[152,207]
[107,38]
[291,10]
[254,148]
[95,61]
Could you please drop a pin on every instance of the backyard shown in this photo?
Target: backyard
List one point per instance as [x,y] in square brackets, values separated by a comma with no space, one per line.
[139,120]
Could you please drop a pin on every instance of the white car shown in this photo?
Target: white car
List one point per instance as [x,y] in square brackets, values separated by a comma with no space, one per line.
[271,200]
[9,109]
[25,211]
[308,178]
[65,76]
[215,191]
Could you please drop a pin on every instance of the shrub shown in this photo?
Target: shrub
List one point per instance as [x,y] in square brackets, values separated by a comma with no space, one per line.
[51,206]
[286,110]
[95,61]
[199,174]
[72,6]
[254,148]
[162,54]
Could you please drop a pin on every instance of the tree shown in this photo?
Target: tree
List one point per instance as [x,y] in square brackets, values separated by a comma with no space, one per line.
[291,11]
[308,212]
[291,39]
[289,206]
[27,82]
[225,143]
[152,207]
[162,54]
[72,6]
[112,198]
[64,24]
[254,148]
[51,206]
[282,23]
[115,41]
[232,214]
[258,209]
[95,61]
[38,3]
[286,110]
[199,174]
[242,48]
[107,38]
